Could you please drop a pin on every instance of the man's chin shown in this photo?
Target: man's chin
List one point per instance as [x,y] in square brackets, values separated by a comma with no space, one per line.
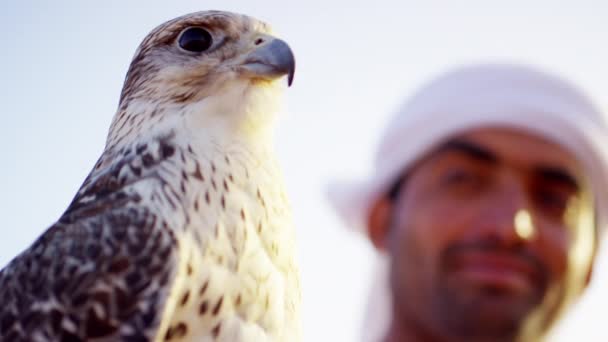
[489,314]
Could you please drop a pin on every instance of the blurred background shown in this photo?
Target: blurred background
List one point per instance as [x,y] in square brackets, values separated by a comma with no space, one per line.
[63,64]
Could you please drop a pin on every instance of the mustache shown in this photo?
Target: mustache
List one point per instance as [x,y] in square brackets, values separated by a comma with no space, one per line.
[540,271]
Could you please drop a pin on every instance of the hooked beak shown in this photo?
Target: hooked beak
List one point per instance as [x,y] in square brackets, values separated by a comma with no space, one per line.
[270,60]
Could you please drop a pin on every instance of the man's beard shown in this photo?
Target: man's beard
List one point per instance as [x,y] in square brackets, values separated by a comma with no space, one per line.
[487,312]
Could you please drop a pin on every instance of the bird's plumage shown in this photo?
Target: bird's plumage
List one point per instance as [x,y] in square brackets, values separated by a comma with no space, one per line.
[182,230]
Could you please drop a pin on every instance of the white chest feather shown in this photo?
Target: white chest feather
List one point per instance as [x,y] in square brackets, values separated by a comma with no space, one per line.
[236,279]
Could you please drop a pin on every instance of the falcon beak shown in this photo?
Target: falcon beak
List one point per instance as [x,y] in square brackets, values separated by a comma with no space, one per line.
[270,60]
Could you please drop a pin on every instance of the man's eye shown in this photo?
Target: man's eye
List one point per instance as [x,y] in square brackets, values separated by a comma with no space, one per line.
[552,202]
[460,177]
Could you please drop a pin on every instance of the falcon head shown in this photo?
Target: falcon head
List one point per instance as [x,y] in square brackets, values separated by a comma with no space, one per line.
[209,68]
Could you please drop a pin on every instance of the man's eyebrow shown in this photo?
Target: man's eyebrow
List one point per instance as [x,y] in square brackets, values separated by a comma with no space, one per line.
[557,175]
[459,145]
[470,149]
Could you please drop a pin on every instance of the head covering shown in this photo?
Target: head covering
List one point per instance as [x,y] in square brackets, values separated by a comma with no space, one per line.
[477,96]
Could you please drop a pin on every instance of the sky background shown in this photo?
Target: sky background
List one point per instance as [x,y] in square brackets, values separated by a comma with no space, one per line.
[63,64]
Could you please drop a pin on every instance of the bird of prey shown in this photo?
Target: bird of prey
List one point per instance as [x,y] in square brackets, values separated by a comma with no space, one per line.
[182,231]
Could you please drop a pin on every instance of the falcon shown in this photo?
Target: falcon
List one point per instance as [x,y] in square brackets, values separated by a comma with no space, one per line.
[182,231]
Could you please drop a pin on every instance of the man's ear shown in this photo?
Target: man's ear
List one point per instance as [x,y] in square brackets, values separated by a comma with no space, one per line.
[378,222]
[592,263]
[589,276]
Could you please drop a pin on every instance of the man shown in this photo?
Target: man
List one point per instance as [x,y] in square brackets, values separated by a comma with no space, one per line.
[488,198]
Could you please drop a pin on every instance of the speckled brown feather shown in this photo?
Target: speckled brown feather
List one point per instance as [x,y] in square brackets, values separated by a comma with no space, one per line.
[100,272]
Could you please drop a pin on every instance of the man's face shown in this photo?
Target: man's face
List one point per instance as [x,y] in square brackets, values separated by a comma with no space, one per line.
[480,234]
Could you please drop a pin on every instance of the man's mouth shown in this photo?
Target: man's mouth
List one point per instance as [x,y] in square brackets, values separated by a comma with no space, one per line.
[497,271]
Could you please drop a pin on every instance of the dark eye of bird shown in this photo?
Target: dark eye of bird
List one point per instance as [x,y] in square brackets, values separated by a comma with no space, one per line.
[195,39]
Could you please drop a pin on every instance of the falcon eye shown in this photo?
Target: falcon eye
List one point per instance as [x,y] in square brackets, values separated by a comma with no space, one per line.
[195,39]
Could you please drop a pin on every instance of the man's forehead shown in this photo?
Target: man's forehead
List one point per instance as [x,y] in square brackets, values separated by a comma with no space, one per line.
[512,146]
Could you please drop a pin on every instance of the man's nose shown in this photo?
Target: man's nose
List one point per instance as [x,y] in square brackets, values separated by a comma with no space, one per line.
[508,216]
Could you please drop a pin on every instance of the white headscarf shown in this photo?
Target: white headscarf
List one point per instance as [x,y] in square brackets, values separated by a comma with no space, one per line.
[485,95]
[470,97]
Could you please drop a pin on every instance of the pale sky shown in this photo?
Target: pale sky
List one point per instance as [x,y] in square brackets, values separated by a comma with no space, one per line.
[63,64]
